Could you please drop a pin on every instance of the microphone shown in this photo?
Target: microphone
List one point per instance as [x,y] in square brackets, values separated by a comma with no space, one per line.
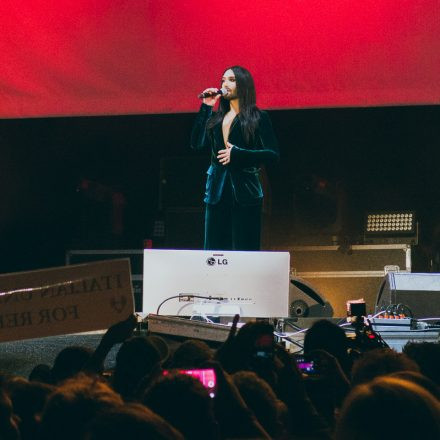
[209,94]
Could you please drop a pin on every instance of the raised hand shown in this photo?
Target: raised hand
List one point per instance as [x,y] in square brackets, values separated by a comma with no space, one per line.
[121,331]
[211,100]
[115,334]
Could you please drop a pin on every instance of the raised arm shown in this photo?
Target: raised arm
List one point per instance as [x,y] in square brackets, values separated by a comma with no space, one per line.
[115,334]
[199,137]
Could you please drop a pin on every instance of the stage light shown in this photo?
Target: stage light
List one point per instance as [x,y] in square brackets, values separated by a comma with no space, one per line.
[391,227]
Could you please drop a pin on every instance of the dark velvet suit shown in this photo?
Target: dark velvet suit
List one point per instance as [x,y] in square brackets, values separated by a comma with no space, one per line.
[233,193]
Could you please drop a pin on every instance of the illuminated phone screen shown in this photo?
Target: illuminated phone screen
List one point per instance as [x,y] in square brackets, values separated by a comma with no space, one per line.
[305,366]
[206,377]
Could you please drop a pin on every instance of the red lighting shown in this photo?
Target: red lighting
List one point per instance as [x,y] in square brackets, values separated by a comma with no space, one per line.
[97,58]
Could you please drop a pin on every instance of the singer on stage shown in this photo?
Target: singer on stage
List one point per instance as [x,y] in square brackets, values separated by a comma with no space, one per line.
[241,139]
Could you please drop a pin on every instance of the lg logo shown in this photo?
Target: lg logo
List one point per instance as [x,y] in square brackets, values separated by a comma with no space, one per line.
[211,261]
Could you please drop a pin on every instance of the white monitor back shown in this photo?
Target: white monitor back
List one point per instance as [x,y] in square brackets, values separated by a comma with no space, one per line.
[252,284]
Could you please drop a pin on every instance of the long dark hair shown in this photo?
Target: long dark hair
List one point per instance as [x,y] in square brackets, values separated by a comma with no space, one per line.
[249,115]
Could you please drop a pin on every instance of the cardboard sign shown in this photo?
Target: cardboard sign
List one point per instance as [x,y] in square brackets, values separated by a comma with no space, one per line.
[63,300]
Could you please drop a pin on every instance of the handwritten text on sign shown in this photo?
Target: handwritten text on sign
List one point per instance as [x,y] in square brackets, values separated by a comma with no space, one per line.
[64,300]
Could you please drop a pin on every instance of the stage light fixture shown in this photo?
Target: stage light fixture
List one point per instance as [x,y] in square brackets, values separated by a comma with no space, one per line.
[400,225]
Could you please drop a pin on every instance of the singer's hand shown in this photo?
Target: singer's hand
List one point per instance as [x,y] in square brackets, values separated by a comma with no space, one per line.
[211,100]
[224,156]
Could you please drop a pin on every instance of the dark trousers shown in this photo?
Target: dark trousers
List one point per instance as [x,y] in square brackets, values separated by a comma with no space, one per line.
[230,226]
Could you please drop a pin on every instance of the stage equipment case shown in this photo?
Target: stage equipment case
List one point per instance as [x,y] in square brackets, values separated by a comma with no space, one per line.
[349,272]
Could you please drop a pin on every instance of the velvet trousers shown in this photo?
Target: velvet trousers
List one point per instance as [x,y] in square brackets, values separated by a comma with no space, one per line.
[231,226]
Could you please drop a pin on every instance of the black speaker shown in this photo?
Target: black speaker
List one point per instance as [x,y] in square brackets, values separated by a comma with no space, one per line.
[420,292]
[306,301]
[184,230]
[182,182]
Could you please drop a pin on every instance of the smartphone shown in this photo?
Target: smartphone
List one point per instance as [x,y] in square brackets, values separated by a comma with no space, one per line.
[305,365]
[264,346]
[205,376]
[264,354]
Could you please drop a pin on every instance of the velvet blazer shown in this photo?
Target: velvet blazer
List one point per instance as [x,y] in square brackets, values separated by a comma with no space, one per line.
[244,167]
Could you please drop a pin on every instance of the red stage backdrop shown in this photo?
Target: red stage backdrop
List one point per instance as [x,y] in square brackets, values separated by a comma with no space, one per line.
[98,57]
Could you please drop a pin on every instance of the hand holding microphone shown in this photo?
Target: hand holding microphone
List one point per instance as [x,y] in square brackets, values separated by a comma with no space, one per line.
[211,95]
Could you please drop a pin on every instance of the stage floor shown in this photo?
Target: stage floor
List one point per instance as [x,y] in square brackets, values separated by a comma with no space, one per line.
[20,357]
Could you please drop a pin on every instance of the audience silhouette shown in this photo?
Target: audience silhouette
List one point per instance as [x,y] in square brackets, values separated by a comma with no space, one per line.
[259,393]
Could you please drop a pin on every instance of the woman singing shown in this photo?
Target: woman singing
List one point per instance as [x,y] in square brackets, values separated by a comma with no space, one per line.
[241,139]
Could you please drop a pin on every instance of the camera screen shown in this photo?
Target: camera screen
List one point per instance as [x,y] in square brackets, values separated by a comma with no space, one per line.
[264,354]
[306,366]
